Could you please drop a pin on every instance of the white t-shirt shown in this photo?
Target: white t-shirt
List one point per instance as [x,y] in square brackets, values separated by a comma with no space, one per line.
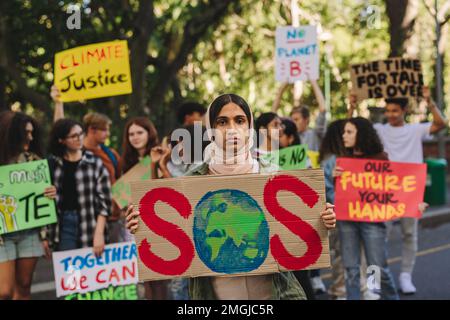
[403,144]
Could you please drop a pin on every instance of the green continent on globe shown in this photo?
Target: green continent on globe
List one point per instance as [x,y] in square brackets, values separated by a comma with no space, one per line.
[231,233]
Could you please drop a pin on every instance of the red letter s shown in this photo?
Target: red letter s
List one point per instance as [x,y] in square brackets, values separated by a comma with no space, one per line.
[167,230]
[296,225]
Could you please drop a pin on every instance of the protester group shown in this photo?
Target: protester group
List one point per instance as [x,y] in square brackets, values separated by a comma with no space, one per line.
[83,170]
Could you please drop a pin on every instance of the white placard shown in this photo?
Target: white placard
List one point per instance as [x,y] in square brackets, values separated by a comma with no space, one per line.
[296,54]
[79,271]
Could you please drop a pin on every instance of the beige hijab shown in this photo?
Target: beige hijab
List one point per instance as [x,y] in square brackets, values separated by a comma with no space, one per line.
[225,162]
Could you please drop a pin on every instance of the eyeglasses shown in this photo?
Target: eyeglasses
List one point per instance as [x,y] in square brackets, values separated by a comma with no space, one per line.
[75,136]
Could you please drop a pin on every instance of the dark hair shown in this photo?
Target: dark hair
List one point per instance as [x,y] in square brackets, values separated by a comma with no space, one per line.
[130,156]
[290,129]
[303,110]
[13,136]
[221,101]
[189,108]
[264,119]
[191,130]
[5,121]
[60,130]
[263,122]
[332,143]
[402,102]
[367,139]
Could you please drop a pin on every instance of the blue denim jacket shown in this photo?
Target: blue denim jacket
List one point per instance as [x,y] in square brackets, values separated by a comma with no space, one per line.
[328,166]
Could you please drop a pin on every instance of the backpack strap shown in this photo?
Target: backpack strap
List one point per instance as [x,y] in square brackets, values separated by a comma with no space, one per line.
[113,158]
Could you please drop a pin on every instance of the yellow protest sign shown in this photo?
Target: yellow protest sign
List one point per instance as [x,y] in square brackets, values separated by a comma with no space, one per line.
[314,158]
[93,71]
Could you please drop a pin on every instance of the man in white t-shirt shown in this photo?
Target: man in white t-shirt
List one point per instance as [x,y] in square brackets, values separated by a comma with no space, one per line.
[403,143]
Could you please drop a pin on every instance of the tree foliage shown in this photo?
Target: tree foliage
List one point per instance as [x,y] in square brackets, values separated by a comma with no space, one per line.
[196,49]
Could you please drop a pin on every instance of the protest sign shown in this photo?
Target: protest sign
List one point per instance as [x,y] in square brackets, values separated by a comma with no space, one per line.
[296,54]
[390,78]
[375,190]
[79,271]
[231,225]
[93,71]
[121,191]
[128,292]
[313,158]
[290,158]
[22,201]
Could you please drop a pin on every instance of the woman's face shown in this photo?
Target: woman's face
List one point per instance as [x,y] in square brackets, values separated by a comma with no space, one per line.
[29,135]
[137,136]
[349,135]
[274,128]
[74,140]
[285,140]
[232,126]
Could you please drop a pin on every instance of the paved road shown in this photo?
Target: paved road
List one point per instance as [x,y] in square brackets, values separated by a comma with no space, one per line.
[432,272]
[431,275]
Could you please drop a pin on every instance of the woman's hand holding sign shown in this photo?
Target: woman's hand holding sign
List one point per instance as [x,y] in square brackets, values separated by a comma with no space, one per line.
[352,104]
[132,219]
[328,217]
[50,192]
[337,172]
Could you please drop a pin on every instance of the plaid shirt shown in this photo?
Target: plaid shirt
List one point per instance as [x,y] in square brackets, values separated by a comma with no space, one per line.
[94,195]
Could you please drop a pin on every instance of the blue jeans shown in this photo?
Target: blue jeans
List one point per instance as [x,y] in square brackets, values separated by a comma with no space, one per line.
[179,288]
[315,273]
[69,229]
[373,238]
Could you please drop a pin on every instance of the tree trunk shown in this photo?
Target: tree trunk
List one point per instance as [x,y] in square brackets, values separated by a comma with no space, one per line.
[145,23]
[8,66]
[402,16]
[3,104]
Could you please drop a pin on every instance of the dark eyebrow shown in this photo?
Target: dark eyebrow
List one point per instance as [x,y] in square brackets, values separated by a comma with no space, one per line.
[221,118]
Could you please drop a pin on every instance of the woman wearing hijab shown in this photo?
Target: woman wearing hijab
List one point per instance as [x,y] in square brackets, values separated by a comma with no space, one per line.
[229,122]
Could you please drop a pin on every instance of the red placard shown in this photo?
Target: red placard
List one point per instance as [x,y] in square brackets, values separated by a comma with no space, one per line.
[374,190]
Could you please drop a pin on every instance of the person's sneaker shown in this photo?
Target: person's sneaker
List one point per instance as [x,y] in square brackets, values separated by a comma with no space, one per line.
[370,295]
[317,285]
[406,285]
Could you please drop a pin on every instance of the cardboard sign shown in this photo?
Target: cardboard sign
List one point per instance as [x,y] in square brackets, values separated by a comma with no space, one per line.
[93,71]
[121,191]
[390,78]
[22,202]
[231,225]
[128,292]
[290,158]
[374,190]
[79,271]
[296,54]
